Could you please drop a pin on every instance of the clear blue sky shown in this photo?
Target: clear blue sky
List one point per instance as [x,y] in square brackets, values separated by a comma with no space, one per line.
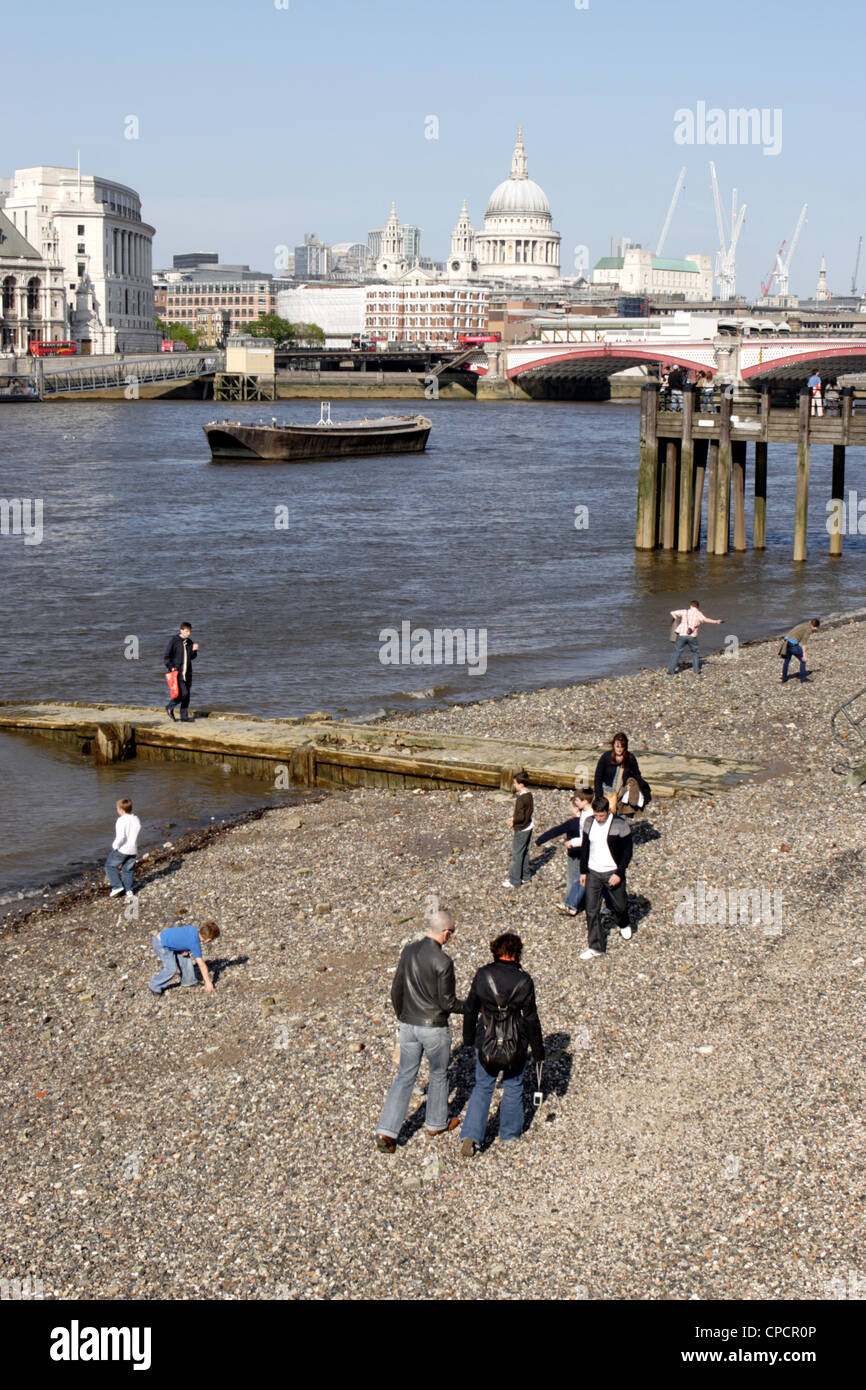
[258,124]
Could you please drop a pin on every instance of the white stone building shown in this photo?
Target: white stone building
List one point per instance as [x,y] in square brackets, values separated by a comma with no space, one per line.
[93,228]
[462,262]
[32,297]
[518,243]
[421,309]
[639,272]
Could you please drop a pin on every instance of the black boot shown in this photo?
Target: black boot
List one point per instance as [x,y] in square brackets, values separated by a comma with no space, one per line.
[169,711]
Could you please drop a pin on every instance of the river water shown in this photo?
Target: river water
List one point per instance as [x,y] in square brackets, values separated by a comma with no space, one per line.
[291,574]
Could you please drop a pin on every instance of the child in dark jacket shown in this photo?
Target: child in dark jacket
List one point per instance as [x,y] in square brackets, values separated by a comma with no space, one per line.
[522,825]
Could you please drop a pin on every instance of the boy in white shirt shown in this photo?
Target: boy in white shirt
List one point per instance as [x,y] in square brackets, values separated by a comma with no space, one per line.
[120,862]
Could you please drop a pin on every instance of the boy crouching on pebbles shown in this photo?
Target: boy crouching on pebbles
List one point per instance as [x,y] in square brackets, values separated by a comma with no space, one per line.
[177,948]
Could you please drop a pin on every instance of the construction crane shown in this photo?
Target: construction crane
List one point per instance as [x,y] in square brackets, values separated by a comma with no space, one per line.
[856,267]
[765,284]
[678,188]
[783,266]
[726,257]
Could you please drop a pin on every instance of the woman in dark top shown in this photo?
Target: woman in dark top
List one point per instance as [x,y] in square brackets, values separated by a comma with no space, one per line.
[617,773]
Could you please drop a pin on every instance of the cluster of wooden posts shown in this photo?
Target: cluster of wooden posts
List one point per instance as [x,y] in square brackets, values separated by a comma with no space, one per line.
[682,451]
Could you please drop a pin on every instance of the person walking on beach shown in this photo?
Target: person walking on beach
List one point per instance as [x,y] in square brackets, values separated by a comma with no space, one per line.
[576,894]
[690,620]
[422,994]
[121,859]
[180,653]
[500,1021]
[180,948]
[570,828]
[815,387]
[522,825]
[795,647]
[617,776]
[604,857]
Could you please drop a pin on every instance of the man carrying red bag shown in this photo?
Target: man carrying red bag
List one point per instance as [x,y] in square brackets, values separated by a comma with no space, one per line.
[180,653]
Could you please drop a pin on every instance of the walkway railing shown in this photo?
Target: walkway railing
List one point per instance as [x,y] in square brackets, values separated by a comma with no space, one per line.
[138,372]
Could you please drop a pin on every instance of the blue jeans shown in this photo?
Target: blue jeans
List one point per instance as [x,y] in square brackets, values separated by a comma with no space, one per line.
[519,870]
[577,893]
[794,649]
[171,962]
[679,645]
[510,1109]
[572,871]
[122,862]
[416,1042]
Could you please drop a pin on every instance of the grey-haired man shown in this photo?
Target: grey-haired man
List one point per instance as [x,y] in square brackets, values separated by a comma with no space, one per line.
[423,996]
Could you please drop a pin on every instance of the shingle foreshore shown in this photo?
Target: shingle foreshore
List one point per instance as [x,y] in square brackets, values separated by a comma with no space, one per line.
[702,1132]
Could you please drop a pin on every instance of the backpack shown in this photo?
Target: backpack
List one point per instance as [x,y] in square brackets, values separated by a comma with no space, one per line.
[501,1046]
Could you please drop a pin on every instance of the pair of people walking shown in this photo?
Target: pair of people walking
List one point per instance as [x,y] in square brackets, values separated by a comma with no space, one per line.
[500,1020]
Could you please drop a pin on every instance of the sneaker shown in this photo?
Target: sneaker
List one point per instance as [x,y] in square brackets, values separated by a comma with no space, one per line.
[625,933]
[569,911]
[506,883]
[385,1143]
[130,896]
[590,954]
[468,1149]
[115,892]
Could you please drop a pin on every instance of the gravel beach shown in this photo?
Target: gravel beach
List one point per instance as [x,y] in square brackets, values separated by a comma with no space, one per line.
[702,1132]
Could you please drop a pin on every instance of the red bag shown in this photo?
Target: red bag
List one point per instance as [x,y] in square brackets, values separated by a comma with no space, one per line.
[171,677]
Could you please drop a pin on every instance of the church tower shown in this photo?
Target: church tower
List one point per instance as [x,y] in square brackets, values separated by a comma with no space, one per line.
[392,258]
[822,292]
[462,264]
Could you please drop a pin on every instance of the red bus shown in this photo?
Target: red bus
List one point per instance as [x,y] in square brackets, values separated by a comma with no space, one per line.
[43,348]
[468,338]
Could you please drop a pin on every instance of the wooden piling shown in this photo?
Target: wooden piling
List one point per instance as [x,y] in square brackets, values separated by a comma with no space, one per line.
[648,470]
[701,447]
[738,460]
[759,530]
[837,505]
[712,487]
[669,515]
[801,505]
[722,500]
[687,454]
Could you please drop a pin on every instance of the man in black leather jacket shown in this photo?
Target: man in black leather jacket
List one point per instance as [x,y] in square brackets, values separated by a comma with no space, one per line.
[180,653]
[423,996]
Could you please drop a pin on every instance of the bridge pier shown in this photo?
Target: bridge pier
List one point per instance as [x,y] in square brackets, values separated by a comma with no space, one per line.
[759,525]
[669,493]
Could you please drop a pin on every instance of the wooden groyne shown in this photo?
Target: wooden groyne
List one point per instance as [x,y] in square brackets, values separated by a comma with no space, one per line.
[317,751]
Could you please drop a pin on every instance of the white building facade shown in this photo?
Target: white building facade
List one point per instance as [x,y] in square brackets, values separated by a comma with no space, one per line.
[93,228]
[32,297]
[419,310]
[337,309]
[639,272]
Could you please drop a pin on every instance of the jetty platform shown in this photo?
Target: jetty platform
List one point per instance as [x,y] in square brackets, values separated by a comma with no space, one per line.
[318,751]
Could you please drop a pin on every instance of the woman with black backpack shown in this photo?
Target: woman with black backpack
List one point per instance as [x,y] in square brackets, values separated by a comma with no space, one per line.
[501,1022]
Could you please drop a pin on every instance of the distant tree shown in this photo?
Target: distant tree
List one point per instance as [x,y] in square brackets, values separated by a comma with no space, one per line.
[161,327]
[271,326]
[181,334]
[309,333]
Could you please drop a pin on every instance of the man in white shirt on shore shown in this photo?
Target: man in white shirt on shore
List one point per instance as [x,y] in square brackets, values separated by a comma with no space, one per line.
[121,860]
[690,620]
[605,854]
